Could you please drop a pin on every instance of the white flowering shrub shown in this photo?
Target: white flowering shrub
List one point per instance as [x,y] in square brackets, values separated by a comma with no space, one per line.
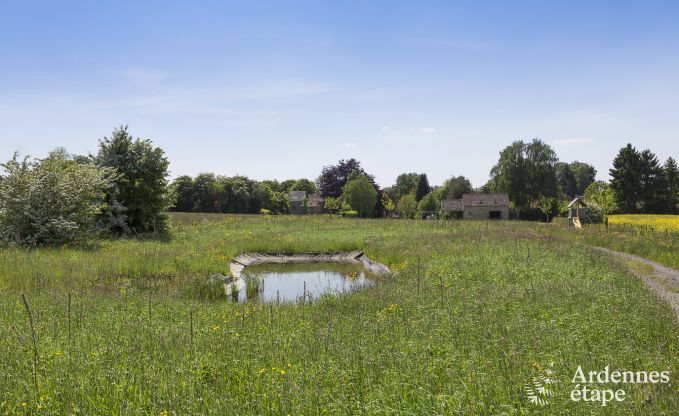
[52,201]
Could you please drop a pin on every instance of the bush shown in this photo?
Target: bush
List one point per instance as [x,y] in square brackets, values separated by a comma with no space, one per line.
[593,215]
[52,201]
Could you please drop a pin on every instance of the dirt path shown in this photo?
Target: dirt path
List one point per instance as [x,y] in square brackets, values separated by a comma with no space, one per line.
[663,280]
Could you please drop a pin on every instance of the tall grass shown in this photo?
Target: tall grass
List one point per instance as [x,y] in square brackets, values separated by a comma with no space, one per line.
[494,302]
[645,237]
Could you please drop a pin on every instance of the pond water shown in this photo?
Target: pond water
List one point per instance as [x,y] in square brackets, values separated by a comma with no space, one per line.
[286,282]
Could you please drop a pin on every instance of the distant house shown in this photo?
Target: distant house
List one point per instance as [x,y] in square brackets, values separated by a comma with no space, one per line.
[479,206]
[297,202]
[315,204]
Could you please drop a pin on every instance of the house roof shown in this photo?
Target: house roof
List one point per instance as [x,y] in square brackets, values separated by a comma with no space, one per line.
[578,200]
[315,200]
[297,196]
[483,200]
[452,205]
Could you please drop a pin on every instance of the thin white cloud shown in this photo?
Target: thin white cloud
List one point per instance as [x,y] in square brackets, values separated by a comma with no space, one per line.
[349,144]
[427,130]
[573,142]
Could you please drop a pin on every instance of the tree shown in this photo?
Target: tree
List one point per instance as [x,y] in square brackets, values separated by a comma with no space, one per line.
[423,187]
[405,184]
[653,187]
[638,181]
[671,179]
[549,205]
[526,171]
[626,179]
[584,175]
[52,201]
[141,187]
[205,193]
[332,205]
[304,185]
[407,206]
[455,187]
[429,203]
[361,195]
[387,203]
[602,195]
[568,184]
[182,188]
[333,178]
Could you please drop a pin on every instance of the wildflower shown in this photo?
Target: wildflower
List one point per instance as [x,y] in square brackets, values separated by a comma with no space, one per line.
[39,407]
[163,413]
[215,328]
[282,372]
[262,371]
[23,404]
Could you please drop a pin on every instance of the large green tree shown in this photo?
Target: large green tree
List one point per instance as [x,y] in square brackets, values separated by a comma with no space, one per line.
[653,187]
[141,188]
[573,178]
[407,206]
[405,184]
[182,188]
[304,185]
[626,179]
[527,172]
[671,179]
[361,195]
[584,174]
[205,193]
[429,203]
[333,178]
[639,182]
[566,180]
[423,187]
[455,187]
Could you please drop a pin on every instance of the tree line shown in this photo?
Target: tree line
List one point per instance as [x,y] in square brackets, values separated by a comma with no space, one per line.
[123,189]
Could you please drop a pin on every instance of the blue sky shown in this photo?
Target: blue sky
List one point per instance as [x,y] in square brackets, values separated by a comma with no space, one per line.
[278,89]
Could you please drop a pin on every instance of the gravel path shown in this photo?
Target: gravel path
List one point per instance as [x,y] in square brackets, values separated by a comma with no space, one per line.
[663,280]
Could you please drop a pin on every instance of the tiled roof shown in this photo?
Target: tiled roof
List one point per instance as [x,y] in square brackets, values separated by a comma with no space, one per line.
[452,205]
[484,200]
[315,200]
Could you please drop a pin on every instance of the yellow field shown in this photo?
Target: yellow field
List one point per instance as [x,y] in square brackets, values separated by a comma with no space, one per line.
[658,222]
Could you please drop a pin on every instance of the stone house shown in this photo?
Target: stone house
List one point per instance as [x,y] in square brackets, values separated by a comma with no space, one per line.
[479,206]
[297,202]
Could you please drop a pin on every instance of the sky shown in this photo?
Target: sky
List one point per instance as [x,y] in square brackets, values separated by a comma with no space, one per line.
[279,89]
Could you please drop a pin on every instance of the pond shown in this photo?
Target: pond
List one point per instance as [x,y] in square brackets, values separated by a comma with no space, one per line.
[287,282]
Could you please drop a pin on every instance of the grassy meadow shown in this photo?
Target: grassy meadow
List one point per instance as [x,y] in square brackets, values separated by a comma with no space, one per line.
[655,237]
[474,312]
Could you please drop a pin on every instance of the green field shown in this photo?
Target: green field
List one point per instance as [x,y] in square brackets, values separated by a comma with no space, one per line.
[654,237]
[495,305]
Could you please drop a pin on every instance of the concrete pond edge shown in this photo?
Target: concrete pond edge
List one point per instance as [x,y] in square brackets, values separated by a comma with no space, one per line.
[239,263]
